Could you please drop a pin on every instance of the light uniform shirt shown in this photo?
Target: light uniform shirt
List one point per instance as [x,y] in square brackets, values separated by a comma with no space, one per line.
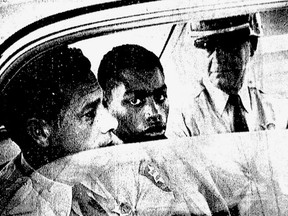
[180,177]
[143,188]
[24,191]
[219,99]
[208,113]
[133,181]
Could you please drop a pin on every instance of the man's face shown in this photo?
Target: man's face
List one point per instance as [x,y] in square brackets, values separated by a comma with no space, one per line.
[228,65]
[86,124]
[140,105]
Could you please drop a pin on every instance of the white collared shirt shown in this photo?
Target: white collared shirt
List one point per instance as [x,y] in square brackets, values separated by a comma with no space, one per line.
[219,99]
[208,113]
[28,192]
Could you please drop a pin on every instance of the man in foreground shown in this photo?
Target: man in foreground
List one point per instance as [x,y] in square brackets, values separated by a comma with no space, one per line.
[52,108]
[135,92]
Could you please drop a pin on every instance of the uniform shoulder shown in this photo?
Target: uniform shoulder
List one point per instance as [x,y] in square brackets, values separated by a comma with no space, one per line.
[267,95]
[255,90]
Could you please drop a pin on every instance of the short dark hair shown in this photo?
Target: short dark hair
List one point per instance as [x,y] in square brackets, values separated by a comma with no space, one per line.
[125,57]
[43,87]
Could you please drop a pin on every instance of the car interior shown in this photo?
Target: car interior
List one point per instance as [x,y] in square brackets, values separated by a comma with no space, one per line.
[163,27]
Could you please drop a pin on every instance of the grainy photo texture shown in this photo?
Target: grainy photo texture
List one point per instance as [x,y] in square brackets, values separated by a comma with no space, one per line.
[147,107]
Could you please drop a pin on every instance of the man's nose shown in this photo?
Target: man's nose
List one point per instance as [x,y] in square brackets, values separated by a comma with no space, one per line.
[224,54]
[107,121]
[152,109]
[219,59]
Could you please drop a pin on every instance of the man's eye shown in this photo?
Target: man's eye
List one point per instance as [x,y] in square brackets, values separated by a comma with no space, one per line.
[135,101]
[90,115]
[160,98]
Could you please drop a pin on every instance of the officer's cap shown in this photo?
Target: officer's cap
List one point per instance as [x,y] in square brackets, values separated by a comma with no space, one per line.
[231,28]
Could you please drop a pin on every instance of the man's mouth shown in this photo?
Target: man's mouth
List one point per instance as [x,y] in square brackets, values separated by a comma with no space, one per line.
[155,131]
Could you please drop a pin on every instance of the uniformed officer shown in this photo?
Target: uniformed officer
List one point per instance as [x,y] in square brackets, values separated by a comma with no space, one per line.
[51,108]
[226,103]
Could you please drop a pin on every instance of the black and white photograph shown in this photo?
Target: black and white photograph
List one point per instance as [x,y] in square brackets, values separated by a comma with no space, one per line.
[144,107]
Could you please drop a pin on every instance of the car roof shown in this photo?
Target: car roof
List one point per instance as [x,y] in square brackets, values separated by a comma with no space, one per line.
[30,27]
[17,14]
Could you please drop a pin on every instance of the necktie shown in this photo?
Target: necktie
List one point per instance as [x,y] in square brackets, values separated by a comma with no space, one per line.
[239,122]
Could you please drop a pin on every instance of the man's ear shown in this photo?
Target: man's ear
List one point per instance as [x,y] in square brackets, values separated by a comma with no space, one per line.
[39,131]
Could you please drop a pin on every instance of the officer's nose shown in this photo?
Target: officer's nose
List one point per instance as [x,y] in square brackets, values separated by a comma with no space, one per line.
[152,114]
[224,55]
[106,121]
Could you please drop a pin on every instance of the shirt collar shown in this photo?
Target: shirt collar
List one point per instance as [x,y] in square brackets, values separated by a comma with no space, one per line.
[217,96]
[220,98]
[26,168]
[245,97]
